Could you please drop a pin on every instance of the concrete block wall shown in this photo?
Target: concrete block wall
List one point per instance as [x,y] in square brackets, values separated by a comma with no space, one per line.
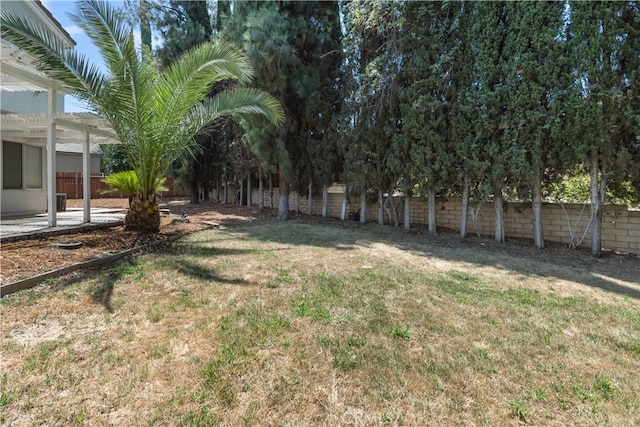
[621,227]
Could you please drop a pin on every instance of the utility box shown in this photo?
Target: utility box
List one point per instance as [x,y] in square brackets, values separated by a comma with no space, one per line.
[61,202]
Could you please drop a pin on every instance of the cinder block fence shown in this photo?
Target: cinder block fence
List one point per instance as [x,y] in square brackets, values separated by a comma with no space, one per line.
[561,223]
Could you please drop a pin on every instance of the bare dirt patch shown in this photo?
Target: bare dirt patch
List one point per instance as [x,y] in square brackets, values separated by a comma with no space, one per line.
[29,258]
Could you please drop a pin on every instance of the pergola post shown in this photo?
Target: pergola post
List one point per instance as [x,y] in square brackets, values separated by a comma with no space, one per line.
[51,158]
[86,177]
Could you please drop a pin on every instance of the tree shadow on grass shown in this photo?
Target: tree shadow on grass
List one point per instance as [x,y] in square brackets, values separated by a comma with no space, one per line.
[102,292]
[200,273]
[614,273]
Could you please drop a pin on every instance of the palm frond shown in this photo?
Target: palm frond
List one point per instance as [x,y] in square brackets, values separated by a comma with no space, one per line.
[239,102]
[59,63]
[189,80]
[100,21]
[36,39]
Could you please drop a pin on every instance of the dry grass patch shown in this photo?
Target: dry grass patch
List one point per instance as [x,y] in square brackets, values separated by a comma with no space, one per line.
[303,324]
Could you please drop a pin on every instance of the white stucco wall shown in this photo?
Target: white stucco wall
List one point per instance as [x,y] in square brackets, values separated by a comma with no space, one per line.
[28,102]
[23,202]
[72,162]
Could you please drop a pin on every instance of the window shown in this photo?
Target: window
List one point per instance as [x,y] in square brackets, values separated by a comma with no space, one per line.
[11,166]
[34,166]
[21,163]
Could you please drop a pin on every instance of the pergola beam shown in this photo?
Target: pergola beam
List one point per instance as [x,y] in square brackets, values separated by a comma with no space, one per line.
[81,127]
[30,77]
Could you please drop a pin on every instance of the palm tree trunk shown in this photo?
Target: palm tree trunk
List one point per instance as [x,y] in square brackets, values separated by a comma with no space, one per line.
[144,214]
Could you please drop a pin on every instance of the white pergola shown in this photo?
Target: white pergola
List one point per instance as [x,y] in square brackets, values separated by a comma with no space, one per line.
[16,74]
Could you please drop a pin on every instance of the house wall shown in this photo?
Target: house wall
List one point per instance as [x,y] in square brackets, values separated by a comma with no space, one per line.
[72,162]
[621,226]
[26,102]
[23,202]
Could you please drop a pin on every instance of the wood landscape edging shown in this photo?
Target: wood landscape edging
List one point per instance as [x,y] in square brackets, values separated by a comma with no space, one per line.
[60,231]
[22,285]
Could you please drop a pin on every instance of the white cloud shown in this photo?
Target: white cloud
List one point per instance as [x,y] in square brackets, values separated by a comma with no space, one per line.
[73,30]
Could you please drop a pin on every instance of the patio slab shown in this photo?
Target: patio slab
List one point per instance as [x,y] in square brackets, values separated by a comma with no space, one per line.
[13,228]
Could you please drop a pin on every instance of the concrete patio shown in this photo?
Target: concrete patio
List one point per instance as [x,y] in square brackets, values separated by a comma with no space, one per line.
[14,228]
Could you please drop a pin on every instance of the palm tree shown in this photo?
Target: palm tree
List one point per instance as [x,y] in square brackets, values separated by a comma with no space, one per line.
[155,113]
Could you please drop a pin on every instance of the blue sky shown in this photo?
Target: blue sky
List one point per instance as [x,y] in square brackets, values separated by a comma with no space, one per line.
[59,9]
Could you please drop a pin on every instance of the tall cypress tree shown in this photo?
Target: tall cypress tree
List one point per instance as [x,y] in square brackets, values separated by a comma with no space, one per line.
[431,35]
[605,45]
[372,113]
[295,49]
[537,71]
[490,92]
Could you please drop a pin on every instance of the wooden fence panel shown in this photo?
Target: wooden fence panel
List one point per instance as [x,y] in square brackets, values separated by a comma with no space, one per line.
[71,184]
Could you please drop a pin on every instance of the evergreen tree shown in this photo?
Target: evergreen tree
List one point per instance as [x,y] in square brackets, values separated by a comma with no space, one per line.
[294,47]
[490,91]
[468,164]
[372,114]
[182,24]
[537,71]
[430,37]
[605,42]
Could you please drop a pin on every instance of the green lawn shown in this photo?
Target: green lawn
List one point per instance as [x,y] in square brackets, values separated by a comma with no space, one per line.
[299,324]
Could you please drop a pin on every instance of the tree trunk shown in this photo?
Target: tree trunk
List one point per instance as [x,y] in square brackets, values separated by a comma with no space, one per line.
[194,187]
[226,191]
[271,191]
[260,191]
[241,190]
[297,202]
[144,214]
[218,190]
[597,190]
[536,212]
[407,212]
[249,198]
[343,211]
[465,207]
[499,216]
[310,199]
[363,207]
[283,205]
[380,208]
[431,202]
[325,200]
